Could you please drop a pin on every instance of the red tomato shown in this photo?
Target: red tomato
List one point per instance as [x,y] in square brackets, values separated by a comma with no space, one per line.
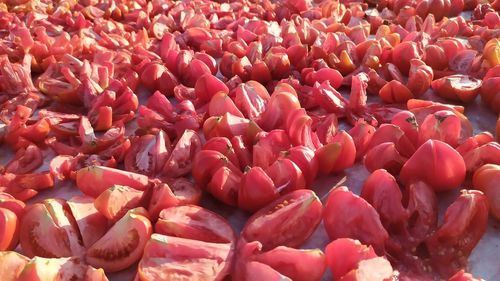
[407,122]
[41,269]
[287,221]
[464,224]
[338,155]
[207,86]
[298,127]
[251,98]
[384,156]
[11,265]
[92,225]
[486,179]
[179,161]
[94,180]
[173,192]
[9,229]
[445,167]
[269,147]
[422,211]
[286,175]
[224,185]
[457,87]
[26,160]
[461,275]
[122,245]
[148,154]
[117,200]
[442,125]
[303,157]
[256,190]
[347,215]
[224,146]
[394,134]
[168,257]
[346,257]
[49,230]
[196,223]
[361,133]
[488,153]
[498,129]
[279,107]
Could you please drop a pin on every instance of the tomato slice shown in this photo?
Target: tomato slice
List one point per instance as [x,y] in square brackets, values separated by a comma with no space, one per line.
[179,161]
[194,222]
[49,230]
[117,200]
[287,221]
[123,244]
[347,215]
[465,222]
[92,225]
[25,161]
[41,269]
[344,255]
[11,265]
[9,229]
[167,258]
[256,190]
[338,155]
[148,154]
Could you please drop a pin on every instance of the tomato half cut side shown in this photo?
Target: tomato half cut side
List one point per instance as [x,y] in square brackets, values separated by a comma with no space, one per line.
[41,269]
[92,225]
[122,245]
[11,265]
[194,222]
[287,221]
[168,258]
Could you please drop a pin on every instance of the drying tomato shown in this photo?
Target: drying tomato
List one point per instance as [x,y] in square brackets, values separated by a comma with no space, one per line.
[287,221]
[442,125]
[464,224]
[92,225]
[338,155]
[256,190]
[486,179]
[194,222]
[457,87]
[445,167]
[173,192]
[123,244]
[9,229]
[169,257]
[347,215]
[384,156]
[72,268]
[148,154]
[25,161]
[269,146]
[117,200]
[11,265]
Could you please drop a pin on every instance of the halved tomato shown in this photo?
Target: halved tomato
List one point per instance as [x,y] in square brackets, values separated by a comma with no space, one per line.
[49,230]
[287,221]
[457,87]
[442,125]
[338,155]
[486,179]
[123,244]
[256,190]
[9,229]
[26,160]
[194,222]
[169,258]
[148,154]
[11,265]
[173,192]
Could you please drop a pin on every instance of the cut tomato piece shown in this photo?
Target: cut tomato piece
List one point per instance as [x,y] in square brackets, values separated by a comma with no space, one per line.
[11,265]
[123,244]
[117,200]
[287,221]
[167,258]
[45,269]
[92,225]
[9,229]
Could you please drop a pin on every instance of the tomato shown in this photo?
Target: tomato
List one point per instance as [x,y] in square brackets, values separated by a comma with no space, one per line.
[488,153]
[445,166]
[11,265]
[338,155]
[92,225]
[8,201]
[422,212]
[403,53]
[194,222]
[303,157]
[407,122]
[442,125]
[94,180]
[347,215]
[361,134]
[328,98]
[222,103]
[395,92]
[255,271]
[348,259]
[269,146]
[207,86]
[224,146]
[486,179]
[298,127]
[286,175]
[420,77]
[256,190]
[498,129]
[298,265]
[117,200]
[148,154]
[394,134]
[461,275]
[168,257]
[122,245]
[251,98]
[242,151]
[384,156]
[299,213]
[26,160]
[464,224]
[49,230]
[279,107]
[9,229]
[457,87]
[73,268]
[175,192]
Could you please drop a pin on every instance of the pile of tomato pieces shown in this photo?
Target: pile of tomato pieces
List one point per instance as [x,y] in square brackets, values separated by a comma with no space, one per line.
[151,109]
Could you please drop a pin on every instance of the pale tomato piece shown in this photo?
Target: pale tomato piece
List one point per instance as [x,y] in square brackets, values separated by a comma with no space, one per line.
[11,265]
[9,230]
[49,269]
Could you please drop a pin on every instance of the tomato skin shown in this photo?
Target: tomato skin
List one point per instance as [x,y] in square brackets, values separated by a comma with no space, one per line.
[256,190]
[457,87]
[347,215]
[196,223]
[298,214]
[71,268]
[445,166]
[361,133]
[117,200]
[9,229]
[442,125]
[384,156]
[486,179]
[251,98]
[338,155]
[148,154]
[465,222]
[286,175]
